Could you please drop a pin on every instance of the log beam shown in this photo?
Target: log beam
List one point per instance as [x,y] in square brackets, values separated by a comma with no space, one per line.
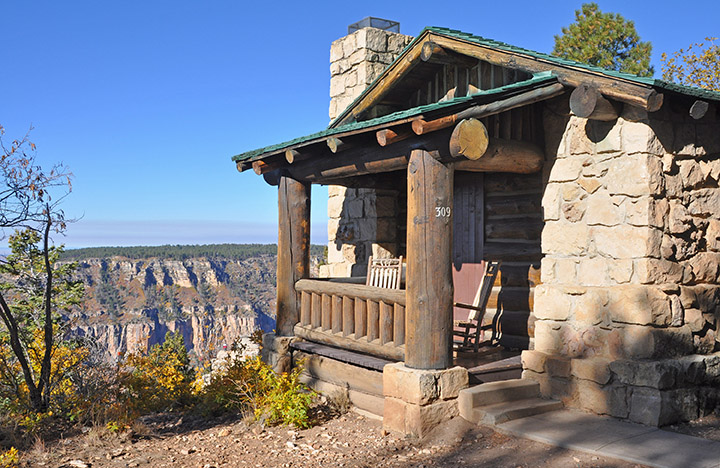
[293,257]
[336,144]
[469,139]
[421,126]
[587,102]
[428,315]
[263,166]
[514,156]
[699,109]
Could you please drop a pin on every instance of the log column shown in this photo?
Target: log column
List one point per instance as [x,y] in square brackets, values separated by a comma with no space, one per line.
[293,257]
[429,300]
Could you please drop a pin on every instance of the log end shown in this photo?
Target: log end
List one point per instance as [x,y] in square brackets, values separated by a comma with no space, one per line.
[469,139]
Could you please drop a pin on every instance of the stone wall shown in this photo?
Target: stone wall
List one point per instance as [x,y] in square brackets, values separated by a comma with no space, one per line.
[362,221]
[629,309]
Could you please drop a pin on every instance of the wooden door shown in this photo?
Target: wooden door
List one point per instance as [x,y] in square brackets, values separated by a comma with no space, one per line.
[468,238]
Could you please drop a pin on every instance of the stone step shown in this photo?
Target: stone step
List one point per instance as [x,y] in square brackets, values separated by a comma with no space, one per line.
[508,411]
[497,392]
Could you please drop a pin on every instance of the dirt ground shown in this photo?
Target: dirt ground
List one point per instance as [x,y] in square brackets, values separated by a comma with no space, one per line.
[348,440]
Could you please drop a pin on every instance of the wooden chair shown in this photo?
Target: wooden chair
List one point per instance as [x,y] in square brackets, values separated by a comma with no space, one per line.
[384,272]
[471,329]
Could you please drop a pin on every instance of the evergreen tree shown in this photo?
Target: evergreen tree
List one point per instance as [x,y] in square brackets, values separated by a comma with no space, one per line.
[604,40]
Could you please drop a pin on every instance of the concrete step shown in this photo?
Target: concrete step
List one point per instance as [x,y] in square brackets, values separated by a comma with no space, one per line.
[497,392]
[508,411]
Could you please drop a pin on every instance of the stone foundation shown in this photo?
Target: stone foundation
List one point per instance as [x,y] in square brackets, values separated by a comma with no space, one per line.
[417,400]
[631,268]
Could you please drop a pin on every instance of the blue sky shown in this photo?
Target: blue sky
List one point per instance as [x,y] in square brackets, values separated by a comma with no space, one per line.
[146,101]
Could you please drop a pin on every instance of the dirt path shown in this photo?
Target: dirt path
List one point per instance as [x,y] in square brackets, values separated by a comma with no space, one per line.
[350,440]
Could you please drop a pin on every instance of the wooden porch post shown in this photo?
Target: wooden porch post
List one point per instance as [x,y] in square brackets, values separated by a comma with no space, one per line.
[293,258]
[428,319]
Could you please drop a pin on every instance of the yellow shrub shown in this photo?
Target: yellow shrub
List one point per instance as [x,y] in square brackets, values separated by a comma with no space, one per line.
[9,459]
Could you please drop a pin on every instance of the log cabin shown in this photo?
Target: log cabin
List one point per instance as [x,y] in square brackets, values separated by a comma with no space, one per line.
[596,190]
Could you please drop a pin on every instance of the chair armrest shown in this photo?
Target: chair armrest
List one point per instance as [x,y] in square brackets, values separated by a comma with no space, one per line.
[467,306]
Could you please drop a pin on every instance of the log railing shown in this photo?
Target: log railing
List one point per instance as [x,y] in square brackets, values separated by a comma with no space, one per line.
[353,316]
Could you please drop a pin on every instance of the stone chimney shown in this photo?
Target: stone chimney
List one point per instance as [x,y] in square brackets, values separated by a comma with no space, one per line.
[362,222]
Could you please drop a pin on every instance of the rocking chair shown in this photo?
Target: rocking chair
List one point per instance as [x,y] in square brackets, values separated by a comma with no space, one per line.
[384,272]
[472,328]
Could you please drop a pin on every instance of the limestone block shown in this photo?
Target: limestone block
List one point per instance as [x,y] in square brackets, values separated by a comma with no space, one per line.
[691,174]
[620,271]
[534,360]
[386,206]
[625,241]
[589,184]
[591,308]
[414,386]
[694,319]
[337,86]
[397,42]
[571,191]
[451,381]
[593,271]
[566,270]
[603,210]
[333,226]
[673,186]
[349,44]
[548,337]
[373,39]
[647,342]
[354,208]
[336,50]
[595,369]
[704,341]
[658,408]
[705,267]
[547,270]
[552,303]
[639,137]
[712,235]
[576,137]
[551,202]
[641,305]
[598,399]
[612,142]
[573,211]
[646,211]
[661,374]
[335,253]
[394,414]
[420,420]
[277,344]
[677,311]
[657,271]
[570,239]
[635,176]
[705,202]
[558,366]
[566,170]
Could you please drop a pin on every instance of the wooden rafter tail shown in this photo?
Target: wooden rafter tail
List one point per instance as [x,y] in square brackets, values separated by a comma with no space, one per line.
[421,126]
[587,102]
[292,156]
[243,166]
[388,136]
[262,166]
[336,144]
[699,109]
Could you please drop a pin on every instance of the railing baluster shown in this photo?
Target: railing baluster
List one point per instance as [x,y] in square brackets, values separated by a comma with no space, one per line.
[373,325]
[399,325]
[337,314]
[316,314]
[305,308]
[348,324]
[326,312]
[386,322]
[360,318]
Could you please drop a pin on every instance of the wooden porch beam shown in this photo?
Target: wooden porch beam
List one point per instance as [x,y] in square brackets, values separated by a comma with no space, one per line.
[388,136]
[422,127]
[518,157]
[293,256]
[428,315]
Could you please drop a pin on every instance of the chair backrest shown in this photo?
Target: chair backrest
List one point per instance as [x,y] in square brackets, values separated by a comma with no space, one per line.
[384,272]
[484,290]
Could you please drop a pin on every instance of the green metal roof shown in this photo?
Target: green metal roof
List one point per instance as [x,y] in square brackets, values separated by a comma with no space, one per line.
[539,79]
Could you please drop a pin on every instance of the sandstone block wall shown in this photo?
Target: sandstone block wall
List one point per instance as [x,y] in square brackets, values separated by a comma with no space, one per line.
[362,222]
[631,267]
